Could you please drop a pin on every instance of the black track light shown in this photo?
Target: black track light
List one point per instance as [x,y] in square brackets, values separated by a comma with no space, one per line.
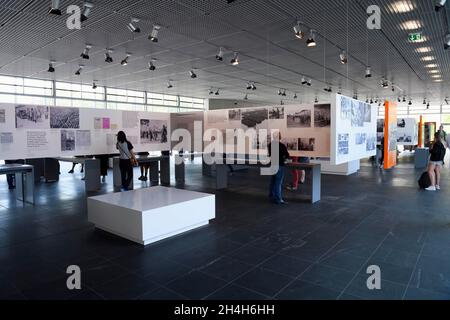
[249,87]
[94,85]
[86,11]
[219,56]
[309,83]
[316,100]
[343,57]
[154,35]
[368,72]
[54,9]
[371,101]
[85,53]
[424,101]
[279,92]
[282,102]
[151,66]
[80,68]
[399,99]
[51,68]
[124,62]
[235,60]
[169,84]
[108,58]
[284,93]
[192,74]
[298,31]
[447,41]
[246,97]
[295,96]
[253,86]
[428,105]
[404,99]
[211,91]
[132,25]
[217,92]
[311,42]
[439,4]
[304,81]
[410,103]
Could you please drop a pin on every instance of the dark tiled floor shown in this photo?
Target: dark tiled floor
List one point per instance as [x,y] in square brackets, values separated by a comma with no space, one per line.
[252,250]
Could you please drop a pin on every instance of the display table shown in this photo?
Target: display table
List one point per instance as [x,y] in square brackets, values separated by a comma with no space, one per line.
[24,178]
[159,167]
[344,169]
[421,156]
[314,168]
[91,171]
[151,214]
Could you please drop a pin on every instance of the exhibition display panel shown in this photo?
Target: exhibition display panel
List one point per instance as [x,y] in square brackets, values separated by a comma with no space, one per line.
[151,214]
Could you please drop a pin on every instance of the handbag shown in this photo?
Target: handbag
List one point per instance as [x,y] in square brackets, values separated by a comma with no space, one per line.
[132,158]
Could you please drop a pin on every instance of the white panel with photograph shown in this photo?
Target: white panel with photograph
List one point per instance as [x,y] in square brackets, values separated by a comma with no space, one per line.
[407,131]
[354,132]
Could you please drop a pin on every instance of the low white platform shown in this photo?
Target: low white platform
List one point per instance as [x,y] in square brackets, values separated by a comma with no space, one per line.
[151,214]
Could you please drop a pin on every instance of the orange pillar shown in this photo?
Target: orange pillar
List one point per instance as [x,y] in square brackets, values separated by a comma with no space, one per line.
[421,132]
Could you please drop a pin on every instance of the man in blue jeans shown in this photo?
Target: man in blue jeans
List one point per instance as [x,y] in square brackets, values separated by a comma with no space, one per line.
[276,182]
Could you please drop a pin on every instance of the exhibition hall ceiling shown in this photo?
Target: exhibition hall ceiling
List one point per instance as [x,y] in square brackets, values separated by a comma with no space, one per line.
[261,31]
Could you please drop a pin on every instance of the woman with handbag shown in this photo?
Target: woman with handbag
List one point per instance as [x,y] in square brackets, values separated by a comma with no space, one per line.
[127,159]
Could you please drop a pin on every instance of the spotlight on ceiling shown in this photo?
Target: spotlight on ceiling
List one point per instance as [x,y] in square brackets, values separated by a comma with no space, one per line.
[54,9]
[446,101]
[87,11]
[235,60]
[298,31]
[309,83]
[343,57]
[304,81]
[367,100]
[284,93]
[339,91]
[384,84]
[246,97]
[51,68]
[219,56]
[253,86]
[316,100]
[328,89]
[80,68]
[249,87]
[192,74]
[439,5]
[151,66]
[94,85]
[447,41]
[424,101]
[217,92]
[169,84]
[368,72]
[311,42]
[132,25]
[295,96]
[154,35]
[371,101]
[108,58]
[85,53]
[124,62]
[211,91]
[279,92]
[410,102]
[428,105]
[404,99]
[399,99]
[393,88]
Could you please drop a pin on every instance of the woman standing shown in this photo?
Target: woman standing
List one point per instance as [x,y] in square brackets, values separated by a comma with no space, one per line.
[126,157]
[437,151]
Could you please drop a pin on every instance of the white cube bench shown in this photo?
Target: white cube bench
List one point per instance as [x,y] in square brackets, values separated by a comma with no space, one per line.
[151,214]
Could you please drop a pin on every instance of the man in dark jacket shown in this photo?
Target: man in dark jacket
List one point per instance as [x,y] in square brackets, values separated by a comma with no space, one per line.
[276,182]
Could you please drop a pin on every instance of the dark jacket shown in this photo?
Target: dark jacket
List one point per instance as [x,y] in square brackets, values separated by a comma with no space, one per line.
[283,153]
[437,151]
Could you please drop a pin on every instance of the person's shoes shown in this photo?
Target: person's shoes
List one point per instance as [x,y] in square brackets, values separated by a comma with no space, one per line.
[84,178]
[11,187]
[281,202]
[71,171]
[432,188]
[291,188]
[141,178]
[103,179]
[438,187]
[82,170]
[144,179]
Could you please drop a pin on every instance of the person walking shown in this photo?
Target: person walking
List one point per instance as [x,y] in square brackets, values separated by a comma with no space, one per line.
[437,151]
[276,182]
[126,157]
[298,176]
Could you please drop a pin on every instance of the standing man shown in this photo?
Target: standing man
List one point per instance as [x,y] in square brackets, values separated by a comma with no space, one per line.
[443,135]
[276,182]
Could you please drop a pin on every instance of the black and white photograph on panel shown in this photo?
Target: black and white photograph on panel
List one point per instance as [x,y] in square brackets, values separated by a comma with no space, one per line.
[343,143]
[392,137]
[153,131]
[299,119]
[367,112]
[253,117]
[371,143]
[401,123]
[97,123]
[2,115]
[67,140]
[83,138]
[360,138]
[64,118]
[6,138]
[276,113]
[234,115]
[32,117]
[258,143]
[358,111]
[380,125]
[217,116]
[346,108]
[291,143]
[404,138]
[306,144]
[322,115]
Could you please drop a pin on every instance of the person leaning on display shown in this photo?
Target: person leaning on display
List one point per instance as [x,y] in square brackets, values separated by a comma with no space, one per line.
[276,181]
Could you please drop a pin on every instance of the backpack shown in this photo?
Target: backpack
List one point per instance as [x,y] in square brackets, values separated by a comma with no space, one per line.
[424,181]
